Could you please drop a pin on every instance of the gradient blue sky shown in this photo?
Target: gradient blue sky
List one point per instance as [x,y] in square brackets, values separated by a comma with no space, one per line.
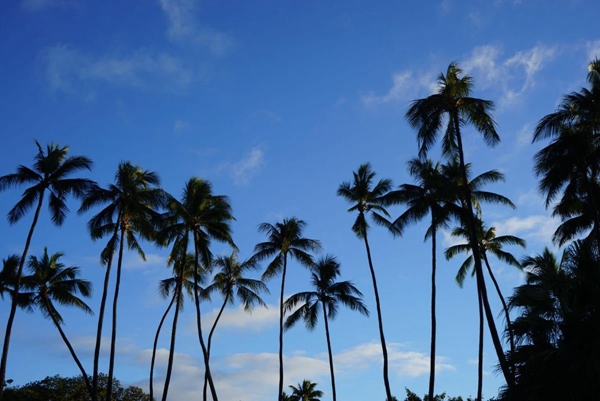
[276,103]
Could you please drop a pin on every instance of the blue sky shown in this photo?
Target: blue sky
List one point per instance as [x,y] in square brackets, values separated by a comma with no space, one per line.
[276,103]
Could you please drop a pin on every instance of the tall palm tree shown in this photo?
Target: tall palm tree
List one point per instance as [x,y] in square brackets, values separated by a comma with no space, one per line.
[488,241]
[305,392]
[327,294]
[199,218]
[131,204]
[369,199]
[8,277]
[452,103]
[558,327]
[431,196]
[571,161]
[50,173]
[231,283]
[181,273]
[284,239]
[50,281]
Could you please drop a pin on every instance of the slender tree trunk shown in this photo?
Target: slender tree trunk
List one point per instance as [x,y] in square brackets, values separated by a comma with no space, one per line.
[178,296]
[329,352]
[506,371]
[208,344]
[480,352]
[213,391]
[280,396]
[68,344]
[386,380]
[511,336]
[101,316]
[113,338]
[433,315]
[162,321]
[13,305]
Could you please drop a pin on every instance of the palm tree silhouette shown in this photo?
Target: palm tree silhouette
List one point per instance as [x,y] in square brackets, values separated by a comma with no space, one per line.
[133,200]
[369,199]
[230,282]
[50,281]
[327,294]
[202,217]
[305,392]
[50,173]
[283,239]
[180,283]
[431,195]
[453,103]
[488,241]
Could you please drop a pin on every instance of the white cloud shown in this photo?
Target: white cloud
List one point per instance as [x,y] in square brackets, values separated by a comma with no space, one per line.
[237,318]
[38,5]
[182,27]
[537,228]
[403,363]
[181,126]
[406,85]
[524,136]
[515,75]
[593,49]
[132,260]
[248,167]
[71,71]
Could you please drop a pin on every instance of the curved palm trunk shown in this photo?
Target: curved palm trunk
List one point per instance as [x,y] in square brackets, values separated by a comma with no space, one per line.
[113,338]
[386,380]
[213,391]
[162,321]
[70,347]
[208,344]
[511,336]
[506,371]
[480,351]
[280,394]
[433,315]
[13,305]
[329,352]
[178,295]
[101,319]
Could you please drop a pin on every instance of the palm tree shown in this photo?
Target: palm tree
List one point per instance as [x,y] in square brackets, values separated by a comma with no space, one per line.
[201,217]
[368,198]
[8,276]
[571,160]
[131,204]
[429,196]
[230,282]
[558,329]
[50,173]
[327,295]
[283,239]
[488,241]
[50,281]
[305,392]
[453,103]
[181,273]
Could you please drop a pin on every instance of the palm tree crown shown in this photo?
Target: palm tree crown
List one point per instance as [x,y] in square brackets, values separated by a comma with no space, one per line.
[283,239]
[305,392]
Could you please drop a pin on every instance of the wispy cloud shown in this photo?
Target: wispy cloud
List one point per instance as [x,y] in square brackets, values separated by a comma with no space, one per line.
[516,74]
[183,27]
[71,71]
[593,50]
[534,228]
[39,5]
[135,261]
[181,126]
[260,318]
[248,167]
[405,85]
